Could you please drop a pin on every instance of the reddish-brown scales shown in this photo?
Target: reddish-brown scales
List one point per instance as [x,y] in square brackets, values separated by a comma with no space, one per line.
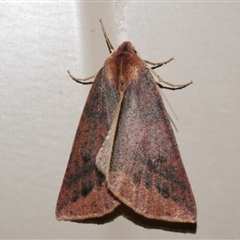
[84,192]
[126,127]
[146,171]
[123,66]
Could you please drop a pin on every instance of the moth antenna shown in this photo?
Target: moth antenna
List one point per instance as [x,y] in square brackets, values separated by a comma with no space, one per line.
[173,123]
[168,103]
[110,47]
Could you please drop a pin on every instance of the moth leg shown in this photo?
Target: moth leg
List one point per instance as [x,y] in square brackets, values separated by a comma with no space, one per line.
[174,86]
[81,80]
[156,65]
[110,47]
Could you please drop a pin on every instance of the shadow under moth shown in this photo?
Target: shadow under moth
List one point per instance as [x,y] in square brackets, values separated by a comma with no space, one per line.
[125,151]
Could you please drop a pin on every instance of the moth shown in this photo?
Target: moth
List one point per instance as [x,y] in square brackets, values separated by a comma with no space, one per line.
[125,151]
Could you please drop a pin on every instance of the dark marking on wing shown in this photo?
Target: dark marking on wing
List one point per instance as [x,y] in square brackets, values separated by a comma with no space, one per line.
[87,187]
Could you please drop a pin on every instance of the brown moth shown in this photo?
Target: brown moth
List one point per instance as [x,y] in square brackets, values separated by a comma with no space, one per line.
[125,151]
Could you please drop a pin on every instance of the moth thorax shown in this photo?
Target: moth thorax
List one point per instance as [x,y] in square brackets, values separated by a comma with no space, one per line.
[122,84]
